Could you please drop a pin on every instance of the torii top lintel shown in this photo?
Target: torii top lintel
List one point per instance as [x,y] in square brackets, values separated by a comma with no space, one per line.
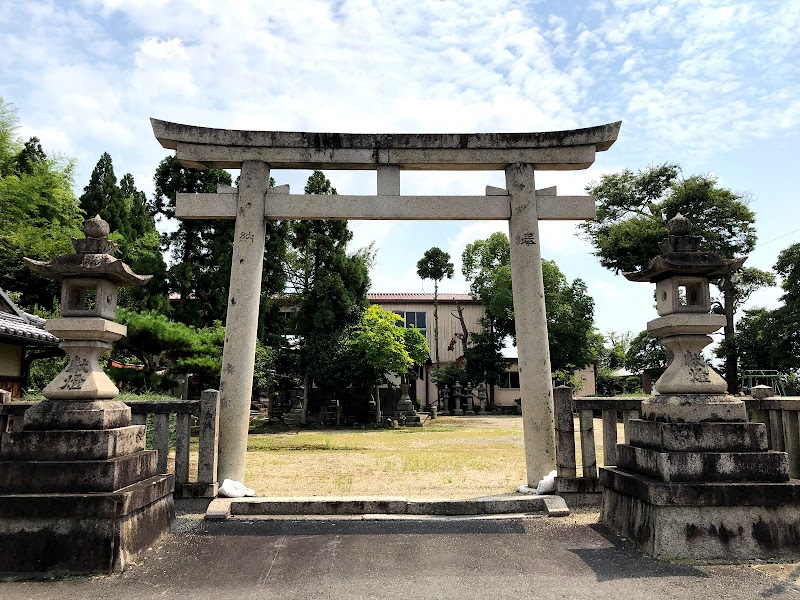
[204,147]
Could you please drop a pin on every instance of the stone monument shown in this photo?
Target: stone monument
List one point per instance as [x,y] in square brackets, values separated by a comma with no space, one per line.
[458,396]
[405,407]
[696,479]
[78,491]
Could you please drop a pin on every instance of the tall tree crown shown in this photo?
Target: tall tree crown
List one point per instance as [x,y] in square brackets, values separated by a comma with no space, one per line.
[435,264]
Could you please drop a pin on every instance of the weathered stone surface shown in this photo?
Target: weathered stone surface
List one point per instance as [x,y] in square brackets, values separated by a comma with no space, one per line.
[223,508]
[88,505]
[697,437]
[317,505]
[47,535]
[384,207]
[84,444]
[226,148]
[682,323]
[67,414]
[84,339]
[78,475]
[735,533]
[698,493]
[704,466]
[694,408]
[238,356]
[688,373]
[685,295]
[536,386]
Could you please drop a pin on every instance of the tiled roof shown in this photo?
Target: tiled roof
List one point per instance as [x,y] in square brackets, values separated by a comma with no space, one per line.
[409,297]
[19,325]
[27,327]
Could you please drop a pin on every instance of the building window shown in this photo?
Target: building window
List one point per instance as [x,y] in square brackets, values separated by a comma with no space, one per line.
[414,319]
[509,380]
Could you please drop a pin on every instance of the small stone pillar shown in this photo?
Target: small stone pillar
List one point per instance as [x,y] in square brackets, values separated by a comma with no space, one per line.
[482,398]
[696,479]
[80,492]
[445,401]
[458,395]
[470,401]
[406,408]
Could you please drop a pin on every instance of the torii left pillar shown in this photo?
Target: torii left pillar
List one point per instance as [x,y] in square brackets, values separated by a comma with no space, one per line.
[244,297]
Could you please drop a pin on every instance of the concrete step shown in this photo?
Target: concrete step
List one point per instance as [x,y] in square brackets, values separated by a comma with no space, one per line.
[386,506]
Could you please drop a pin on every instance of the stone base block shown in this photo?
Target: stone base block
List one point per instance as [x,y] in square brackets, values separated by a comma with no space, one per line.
[75,476]
[704,466]
[44,535]
[91,444]
[703,521]
[69,414]
[697,437]
[694,408]
[187,491]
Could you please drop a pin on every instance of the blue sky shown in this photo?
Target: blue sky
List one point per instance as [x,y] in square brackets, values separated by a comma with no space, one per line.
[710,85]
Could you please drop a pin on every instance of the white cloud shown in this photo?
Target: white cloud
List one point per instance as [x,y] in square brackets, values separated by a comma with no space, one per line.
[692,82]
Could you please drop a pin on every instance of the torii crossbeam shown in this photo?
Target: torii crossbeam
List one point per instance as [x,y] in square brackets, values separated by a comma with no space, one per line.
[256,152]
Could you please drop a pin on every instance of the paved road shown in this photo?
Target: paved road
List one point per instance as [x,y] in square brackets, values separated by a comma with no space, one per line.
[535,558]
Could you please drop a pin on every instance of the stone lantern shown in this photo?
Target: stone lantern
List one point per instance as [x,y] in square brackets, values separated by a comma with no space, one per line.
[682,276]
[696,479]
[80,491]
[90,280]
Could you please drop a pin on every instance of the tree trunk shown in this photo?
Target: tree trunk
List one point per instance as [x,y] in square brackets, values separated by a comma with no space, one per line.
[436,320]
[304,402]
[464,330]
[731,351]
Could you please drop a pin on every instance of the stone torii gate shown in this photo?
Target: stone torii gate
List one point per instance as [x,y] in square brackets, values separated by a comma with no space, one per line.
[256,152]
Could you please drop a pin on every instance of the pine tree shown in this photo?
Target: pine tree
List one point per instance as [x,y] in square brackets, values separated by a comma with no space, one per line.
[104,197]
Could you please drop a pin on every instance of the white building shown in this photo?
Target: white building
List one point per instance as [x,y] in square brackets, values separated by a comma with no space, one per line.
[417,310]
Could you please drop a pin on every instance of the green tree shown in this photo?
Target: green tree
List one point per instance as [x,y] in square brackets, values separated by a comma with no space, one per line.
[645,352]
[166,348]
[38,211]
[201,249]
[102,196]
[326,284]
[133,228]
[435,265]
[386,347]
[632,214]
[486,264]
[570,310]
[770,339]
[485,362]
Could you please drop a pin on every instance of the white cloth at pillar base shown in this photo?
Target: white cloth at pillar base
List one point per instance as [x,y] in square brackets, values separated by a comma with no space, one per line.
[548,484]
[234,489]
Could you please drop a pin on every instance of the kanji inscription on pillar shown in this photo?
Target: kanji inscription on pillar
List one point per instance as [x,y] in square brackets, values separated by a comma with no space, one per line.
[77,371]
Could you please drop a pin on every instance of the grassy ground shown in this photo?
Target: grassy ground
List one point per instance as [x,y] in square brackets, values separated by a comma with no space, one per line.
[448,458]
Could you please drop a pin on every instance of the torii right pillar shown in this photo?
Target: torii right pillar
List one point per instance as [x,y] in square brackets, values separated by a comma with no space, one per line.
[536,386]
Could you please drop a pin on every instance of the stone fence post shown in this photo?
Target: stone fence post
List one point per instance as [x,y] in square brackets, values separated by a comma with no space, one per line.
[208,447]
[565,432]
